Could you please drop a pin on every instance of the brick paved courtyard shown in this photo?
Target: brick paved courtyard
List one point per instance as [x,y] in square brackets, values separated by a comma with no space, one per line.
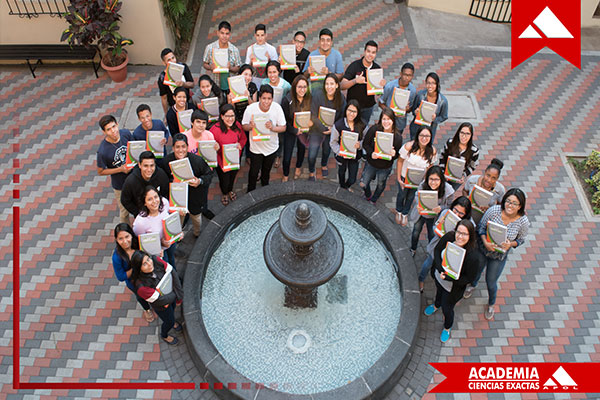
[78,324]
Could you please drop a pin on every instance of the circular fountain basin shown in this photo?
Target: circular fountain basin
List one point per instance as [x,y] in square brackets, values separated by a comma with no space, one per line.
[357,341]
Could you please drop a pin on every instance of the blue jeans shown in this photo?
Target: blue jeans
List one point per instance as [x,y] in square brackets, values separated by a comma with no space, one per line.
[370,173]
[365,114]
[345,164]
[169,254]
[314,144]
[404,199]
[414,240]
[167,316]
[425,268]
[492,274]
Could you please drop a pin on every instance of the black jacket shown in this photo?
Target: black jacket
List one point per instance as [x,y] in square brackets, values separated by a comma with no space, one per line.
[133,188]
[196,195]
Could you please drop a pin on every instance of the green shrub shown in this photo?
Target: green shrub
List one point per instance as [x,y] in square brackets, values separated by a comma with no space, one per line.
[593,161]
[181,19]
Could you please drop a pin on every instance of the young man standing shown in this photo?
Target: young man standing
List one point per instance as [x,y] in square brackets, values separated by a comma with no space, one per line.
[165,91]
[198,187]
[333,60]
[301,57]
[110,158]
[403,82]
[355,81]
[142,175]
[261,51]
[234,60]
[262,153]
[144,115]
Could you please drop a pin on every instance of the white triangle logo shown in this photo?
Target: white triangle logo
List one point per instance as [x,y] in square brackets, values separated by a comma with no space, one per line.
[563,378]
[550,382]
[550,26]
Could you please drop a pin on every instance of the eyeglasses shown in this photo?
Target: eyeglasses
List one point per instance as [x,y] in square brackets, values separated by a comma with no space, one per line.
[459,213]
[463,234]
[425,136]
[352,111]
[299,41]
[465,133]
[431,178]
[512,203]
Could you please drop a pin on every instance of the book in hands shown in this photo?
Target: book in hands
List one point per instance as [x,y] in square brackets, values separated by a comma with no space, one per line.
[318,63]
[414,177]
[348,142]
[277,95]
[237,87]
[153,139]
[182,170]
[260,132]
[206,149]
[374,78]
[425,113]
[184,120]
[174,73]
[427,200]
[220,59]
[453,257]
[480,198]
[455,168]
[134,149]
[496,235]
[447,223]
[178,196]
[231,157]
[150,243]
[165,285]
[287,56]
[327,116]
[211,106]
[399,101]
[384,143]
[302,120]
[172,230]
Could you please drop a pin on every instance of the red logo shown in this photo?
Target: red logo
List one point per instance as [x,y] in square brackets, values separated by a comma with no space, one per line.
[555,24]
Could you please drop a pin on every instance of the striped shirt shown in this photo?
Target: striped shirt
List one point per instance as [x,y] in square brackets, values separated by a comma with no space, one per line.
[470,166]
[516,230]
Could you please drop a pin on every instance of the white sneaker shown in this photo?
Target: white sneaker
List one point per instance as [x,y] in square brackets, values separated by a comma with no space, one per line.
[469,291]
[489,313]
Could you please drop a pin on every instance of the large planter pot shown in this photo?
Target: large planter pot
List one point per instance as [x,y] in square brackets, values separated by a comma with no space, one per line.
[118,73]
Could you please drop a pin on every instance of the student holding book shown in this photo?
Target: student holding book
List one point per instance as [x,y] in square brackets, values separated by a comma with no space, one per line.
[142,175]
[155,208]
[434,180]
[328,96]
[377,167]
[276,82]
[353,123]
[147,123]
[110,159]
[404,82]
[301,57]
[418,153]
[148,271]
[198,186]
[511,214]
[333,58]
[450,291]
[461,207]
[431,94]
[166,91]
[208,89]
[240,107]
[261,51]
[461,146]
[233,56]
[488,181]
[126,244]
[263,152]
[182,103]
[297,100]
[227,131]
[198,132]
[355,80]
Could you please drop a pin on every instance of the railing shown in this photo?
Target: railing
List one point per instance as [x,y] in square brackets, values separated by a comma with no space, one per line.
[491,10]
[35,8]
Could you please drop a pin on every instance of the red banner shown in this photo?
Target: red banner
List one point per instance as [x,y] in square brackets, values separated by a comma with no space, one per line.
[555,24]
[518,377]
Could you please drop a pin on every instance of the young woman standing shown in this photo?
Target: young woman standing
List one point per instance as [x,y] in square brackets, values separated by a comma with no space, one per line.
[461,146]
[431,94]
[297,100]
[353,123]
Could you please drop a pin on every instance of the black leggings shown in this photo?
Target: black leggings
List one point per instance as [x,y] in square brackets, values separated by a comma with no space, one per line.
[226,180]
[289,139]
[442,299]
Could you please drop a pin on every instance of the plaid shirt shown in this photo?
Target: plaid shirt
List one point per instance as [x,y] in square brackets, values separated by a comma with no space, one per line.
[516,230]
[234,61]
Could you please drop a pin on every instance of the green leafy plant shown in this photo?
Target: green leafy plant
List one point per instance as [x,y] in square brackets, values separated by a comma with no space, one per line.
[181,20]
[95,23]
[592,162]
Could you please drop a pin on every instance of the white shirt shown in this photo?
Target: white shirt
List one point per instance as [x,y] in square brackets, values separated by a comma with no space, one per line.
[275,114]
[262,52]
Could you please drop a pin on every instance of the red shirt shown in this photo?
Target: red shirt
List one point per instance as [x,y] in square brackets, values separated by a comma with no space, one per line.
[228,137]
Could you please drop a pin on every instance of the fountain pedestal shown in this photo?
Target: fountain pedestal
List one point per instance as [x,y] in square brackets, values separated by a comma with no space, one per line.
[303,250]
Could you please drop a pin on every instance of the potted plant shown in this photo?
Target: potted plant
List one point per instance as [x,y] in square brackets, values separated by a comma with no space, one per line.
[95,23]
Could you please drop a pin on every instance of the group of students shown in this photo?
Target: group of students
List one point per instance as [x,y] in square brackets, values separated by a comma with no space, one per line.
[353,112]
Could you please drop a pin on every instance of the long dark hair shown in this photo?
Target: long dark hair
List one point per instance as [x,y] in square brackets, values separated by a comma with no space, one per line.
[454,149]
[337,97]
[464,202]
[222,125]
[416,147]
[137,259]
[438,88]
[518,193]
[390,114]
[124,227]
[305,104]
[144,212]
[471,228]
[435,170]
[359,125]
[214,88]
